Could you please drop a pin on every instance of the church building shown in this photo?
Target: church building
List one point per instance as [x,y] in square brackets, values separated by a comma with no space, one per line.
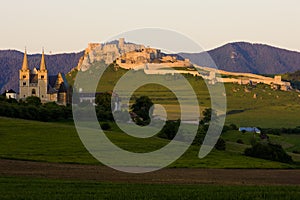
[38,83]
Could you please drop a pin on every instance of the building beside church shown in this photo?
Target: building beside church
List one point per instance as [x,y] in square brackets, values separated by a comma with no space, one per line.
[10,94]
[37,82]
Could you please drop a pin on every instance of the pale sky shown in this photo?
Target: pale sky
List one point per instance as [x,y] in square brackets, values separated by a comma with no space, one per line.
[69,25]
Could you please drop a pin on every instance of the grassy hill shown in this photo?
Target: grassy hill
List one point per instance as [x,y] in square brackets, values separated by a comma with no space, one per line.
[269,109]
[59,142]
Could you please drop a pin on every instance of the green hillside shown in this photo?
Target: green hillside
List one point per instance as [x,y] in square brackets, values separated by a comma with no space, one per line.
[59,142]
[257,105]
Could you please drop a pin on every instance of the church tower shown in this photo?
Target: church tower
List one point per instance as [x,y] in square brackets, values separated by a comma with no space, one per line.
[24,78]
[43,79]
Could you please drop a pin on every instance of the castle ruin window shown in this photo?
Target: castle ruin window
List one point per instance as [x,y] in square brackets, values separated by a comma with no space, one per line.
[24,83]
[42,77]
[24,76]
[33,92]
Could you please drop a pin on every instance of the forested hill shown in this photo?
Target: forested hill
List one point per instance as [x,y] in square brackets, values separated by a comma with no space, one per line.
[11,63]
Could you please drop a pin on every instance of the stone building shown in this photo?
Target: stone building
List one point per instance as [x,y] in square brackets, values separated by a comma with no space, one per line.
[38,83]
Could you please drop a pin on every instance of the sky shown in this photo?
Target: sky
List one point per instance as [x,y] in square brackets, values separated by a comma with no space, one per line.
[68,26]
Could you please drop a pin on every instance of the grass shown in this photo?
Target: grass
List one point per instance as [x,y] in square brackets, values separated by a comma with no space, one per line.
[58,142]
[44,189]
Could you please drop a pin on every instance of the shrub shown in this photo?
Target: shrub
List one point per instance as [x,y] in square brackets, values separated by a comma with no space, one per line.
[240,141]
[105,126]
[169,130]
[221,144]
[233,127]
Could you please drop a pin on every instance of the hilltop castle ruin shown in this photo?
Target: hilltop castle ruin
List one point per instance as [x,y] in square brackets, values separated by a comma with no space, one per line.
[127,55]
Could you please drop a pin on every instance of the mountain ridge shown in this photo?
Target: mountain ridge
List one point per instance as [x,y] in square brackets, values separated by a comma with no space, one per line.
[235,57]
[11,63]
[251,57]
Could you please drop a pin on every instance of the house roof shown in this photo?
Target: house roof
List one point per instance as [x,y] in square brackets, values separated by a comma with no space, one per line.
[10,91]
[249,129]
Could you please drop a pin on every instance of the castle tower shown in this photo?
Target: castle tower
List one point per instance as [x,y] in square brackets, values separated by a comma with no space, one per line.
[24,78]
[121,43]
[43,80]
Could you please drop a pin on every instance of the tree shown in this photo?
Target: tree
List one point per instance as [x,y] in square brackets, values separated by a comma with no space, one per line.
[208,113]
[169,130]
[34,101]
[104,101]
[141,108]
[103,108]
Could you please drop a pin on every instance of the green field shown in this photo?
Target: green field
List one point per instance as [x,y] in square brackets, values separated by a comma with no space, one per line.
[44,189]
[59,142]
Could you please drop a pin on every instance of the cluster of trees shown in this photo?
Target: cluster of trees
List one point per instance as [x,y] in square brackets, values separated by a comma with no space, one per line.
[33,109]
[294,78]
[279,131]
[268,151]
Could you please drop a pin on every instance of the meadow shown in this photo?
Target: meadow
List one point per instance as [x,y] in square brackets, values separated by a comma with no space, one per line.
[47,189]
[59,142]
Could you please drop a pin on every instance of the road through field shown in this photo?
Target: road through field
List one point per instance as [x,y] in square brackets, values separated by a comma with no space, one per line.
[167,176]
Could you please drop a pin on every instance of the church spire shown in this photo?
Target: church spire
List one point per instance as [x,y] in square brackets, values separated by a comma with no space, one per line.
[43,63]
[25,62]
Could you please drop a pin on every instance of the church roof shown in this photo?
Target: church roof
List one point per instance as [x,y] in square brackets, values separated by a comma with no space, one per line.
[43,63]
[25,62]
[52,80]
[57,83]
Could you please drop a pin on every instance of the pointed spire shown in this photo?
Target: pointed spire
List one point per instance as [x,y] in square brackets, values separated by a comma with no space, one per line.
[43,63]
[25,62]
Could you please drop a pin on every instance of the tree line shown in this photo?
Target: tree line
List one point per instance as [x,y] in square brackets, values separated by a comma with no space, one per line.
[33,109]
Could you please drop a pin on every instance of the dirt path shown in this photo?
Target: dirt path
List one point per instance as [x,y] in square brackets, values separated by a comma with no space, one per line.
[169,176]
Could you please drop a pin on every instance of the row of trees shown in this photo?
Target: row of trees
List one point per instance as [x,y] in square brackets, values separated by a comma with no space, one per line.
[33,109]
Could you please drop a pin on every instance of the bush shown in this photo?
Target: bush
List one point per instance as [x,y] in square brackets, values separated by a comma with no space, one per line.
[220,145]
[233,127]
[268,151]
[240,141]
[105,126]
[199,136]
[169,130]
